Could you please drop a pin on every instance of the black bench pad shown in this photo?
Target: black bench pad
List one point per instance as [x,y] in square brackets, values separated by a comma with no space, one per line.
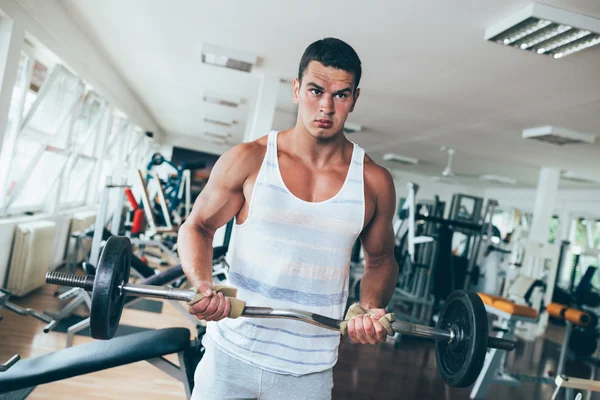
[94,356]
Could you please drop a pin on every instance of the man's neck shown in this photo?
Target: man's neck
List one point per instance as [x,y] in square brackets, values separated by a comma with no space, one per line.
[316,152]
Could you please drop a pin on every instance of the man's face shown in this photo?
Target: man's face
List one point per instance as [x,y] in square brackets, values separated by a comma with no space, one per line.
[324,99]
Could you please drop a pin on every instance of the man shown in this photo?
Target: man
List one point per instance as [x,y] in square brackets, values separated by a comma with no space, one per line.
[301,198]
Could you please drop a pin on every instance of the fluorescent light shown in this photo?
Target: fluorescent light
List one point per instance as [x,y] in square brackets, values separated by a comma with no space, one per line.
[498,179]
[589,41]
[228,58]
[400,159]
[546,30]
[544,35]
[557,135]
[522,30]
[561,41]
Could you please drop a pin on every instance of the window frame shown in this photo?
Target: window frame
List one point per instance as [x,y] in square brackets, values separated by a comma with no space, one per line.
[11,211]
[26,130]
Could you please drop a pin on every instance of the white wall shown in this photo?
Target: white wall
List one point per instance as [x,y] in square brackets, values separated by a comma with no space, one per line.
[283,120]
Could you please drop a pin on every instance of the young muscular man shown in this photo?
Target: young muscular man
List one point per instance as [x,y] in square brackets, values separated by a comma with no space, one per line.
[301,198]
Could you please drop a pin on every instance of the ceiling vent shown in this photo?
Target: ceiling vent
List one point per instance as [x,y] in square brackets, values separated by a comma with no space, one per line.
[223,100]
[400,159]
[571,176]
[558,136]
[546,30]
[217,138]
[349,128]
[217,135]
[220,122]
[228,58]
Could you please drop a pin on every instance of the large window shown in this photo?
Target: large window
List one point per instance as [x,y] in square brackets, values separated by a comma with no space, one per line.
[585,249]
[41,177]
[509,219]
[11,168]
[114,150]
[41,150]
[86,129]
[63,141]
[76,181]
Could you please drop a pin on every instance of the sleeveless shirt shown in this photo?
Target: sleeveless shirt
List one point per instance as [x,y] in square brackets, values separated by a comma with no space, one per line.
[292,254]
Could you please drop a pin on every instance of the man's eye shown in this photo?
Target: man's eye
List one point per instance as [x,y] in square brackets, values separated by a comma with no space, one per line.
[315,91]
[341,95]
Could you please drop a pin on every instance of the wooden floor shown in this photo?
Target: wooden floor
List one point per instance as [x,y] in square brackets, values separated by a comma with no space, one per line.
[363,372]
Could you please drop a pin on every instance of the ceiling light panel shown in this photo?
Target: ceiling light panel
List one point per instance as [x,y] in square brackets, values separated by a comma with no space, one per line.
[557,135]
[546,30]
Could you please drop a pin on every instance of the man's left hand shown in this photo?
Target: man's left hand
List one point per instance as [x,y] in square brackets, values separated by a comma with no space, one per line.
[366,328]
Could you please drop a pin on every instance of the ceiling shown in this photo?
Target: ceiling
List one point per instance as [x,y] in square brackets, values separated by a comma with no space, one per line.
[429,77]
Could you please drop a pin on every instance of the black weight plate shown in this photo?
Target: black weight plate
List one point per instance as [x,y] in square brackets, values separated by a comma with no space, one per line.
[107,299]
[583,342]
[461,362]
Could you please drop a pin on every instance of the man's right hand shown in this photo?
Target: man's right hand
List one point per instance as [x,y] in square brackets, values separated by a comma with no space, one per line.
[213,307]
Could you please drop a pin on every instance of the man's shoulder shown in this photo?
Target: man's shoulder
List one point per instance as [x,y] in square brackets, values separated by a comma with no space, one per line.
[376,176]
[249,152]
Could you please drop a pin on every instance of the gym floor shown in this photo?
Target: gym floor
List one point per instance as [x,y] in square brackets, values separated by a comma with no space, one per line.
[363,372]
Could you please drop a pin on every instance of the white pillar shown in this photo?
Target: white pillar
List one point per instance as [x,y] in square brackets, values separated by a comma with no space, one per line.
[12,37]
[545,200]
[540,250]
[263,114]
[100,154]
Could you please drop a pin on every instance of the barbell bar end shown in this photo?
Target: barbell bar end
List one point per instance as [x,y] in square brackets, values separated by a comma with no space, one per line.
[79,281]
[501,344]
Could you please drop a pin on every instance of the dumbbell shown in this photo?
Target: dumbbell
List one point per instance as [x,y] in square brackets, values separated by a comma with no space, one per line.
[461,333]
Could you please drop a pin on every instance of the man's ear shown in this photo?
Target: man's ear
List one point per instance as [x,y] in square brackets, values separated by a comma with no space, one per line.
[296,90]
[356,94]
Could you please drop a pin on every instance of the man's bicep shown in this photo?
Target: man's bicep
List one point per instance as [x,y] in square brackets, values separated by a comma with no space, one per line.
[222,197]
[378,236]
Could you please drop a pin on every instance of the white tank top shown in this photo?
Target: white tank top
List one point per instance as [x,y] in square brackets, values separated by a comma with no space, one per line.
[292,254]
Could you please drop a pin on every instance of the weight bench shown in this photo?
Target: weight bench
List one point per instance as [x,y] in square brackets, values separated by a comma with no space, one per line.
[96,356]
[508,315]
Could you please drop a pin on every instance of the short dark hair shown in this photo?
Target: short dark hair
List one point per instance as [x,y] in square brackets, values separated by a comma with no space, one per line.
[334,53]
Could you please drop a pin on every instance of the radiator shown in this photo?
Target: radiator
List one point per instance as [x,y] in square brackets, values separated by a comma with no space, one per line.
[31,256]
[79,223]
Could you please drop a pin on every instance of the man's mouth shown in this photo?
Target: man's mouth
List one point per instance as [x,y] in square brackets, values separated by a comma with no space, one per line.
[324,123]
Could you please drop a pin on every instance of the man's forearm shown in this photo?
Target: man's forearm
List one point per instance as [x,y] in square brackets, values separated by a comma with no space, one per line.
[378,283]
[195,253]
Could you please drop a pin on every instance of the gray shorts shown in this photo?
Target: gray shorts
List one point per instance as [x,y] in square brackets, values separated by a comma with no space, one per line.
[220,376]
